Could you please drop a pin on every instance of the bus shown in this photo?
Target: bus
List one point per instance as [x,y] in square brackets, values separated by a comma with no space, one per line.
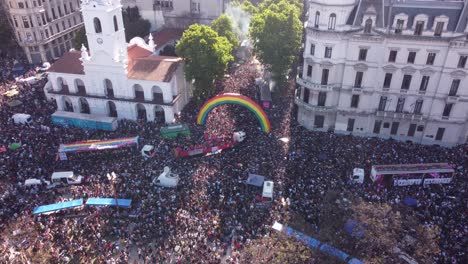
[86,121]
[412,174]
[172,131]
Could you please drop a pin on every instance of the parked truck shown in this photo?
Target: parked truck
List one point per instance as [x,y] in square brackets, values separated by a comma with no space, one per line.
[63,118]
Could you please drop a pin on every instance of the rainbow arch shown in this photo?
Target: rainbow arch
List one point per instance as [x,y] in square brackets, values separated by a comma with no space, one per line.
[238,99]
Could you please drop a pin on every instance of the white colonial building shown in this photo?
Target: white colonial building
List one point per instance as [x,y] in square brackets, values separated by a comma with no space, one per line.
[116,78]
[386,68]
[177,13]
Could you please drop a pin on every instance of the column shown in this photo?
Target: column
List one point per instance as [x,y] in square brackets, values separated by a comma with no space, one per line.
[168,115]
[43,53]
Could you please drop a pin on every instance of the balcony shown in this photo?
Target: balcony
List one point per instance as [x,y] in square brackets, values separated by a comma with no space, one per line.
[311,85]
[399,115]
[315,108]
[157,100]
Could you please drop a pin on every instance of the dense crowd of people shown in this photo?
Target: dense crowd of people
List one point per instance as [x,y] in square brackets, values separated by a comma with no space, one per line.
[212,213]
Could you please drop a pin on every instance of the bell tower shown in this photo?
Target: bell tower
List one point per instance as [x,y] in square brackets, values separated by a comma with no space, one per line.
[105,31]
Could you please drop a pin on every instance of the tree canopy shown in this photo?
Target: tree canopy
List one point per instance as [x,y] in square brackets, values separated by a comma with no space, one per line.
[80,38]
[223,26]
[135,26]
[206,56]
[276,33]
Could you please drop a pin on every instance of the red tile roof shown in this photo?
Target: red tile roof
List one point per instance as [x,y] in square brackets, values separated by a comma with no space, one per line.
[166,35]
[153,68]
[68,63]
[134,51]
[141,65]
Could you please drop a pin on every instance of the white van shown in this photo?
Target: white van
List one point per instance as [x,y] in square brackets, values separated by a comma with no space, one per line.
[268,190]
[22,119]
[358,175]
[32,182]
[65,178]
[167,179]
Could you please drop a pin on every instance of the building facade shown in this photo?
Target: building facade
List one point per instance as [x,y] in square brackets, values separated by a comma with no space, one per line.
[177,13]
[392,69]
[44,28]
[115,78]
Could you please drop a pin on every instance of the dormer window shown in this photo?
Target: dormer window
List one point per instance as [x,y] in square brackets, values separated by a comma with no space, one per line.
[399,26]
[317,19]
[332,22]
[368,26]
[438,29]
[418,29]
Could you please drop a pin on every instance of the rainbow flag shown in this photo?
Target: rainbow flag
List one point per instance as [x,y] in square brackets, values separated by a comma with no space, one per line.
[89,145]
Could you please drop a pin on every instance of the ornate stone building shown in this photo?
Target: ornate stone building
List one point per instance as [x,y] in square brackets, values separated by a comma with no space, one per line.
[386,68]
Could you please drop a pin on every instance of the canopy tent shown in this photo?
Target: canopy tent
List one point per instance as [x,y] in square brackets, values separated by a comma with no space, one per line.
[89,145]
[14,146]
[410,201]
[57,206]
[14,103]
[255,180]
[355,229]
[125,203]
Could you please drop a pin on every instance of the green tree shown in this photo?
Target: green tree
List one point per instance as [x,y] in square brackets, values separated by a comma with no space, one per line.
[80,38]
[223,26]
[298,4]
[206,57]
[276,34]
[135,26]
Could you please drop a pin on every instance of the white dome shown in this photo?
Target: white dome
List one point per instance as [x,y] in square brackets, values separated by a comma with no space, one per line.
[334,2]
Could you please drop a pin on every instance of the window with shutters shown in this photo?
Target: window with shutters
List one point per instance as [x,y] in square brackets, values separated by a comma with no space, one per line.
[392,56]
[447,110]
[328,52]
[440,133]
[454,88]
[377,126]
[418,106]
[418,29]
[325,76]
[368,26]
[350,126]
[424,83]
[399,26]
[405,84]
[362,54]
[309,70]
[430,58]
[332,22]
[382,103]
[355,101]
[358,80]
[322,98]
[400,105]
[438,29]
[387,80]
[411,56]
[462,61]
